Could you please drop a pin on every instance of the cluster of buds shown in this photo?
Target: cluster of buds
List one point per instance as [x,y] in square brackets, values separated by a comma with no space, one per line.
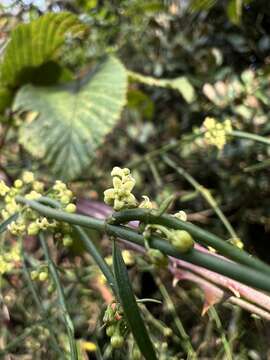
[8,259]
[25,186]
[216,133]
[116,326]
[41,274]
[64,196]
[120,195]
[28,221]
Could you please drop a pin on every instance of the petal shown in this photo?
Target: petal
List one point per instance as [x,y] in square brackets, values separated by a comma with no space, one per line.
[128,186]
[117,183]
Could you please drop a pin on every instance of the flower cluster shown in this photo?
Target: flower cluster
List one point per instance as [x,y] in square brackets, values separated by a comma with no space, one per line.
[64,196]
[120,195]
[8,259]
[116,326]
[27,221]
[216,133]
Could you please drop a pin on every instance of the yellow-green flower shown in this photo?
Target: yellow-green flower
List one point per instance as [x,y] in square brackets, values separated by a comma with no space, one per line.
[28,177]
[9,258]
[120,195]
[216,133]
[4,189]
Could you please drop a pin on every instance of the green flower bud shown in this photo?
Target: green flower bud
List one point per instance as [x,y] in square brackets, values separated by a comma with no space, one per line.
[34,274]
[110,330]
[4,189]
[136,354]
[157,257]
[117,341]
[67,240]
[33,229]
[51,288]
[146,203]
[65,199]
[181,240]
[28,177]
[70,208]
[43,276]
[18,184]
[109,315]
[38,186]
[33,195]
[117,171]
[167,332]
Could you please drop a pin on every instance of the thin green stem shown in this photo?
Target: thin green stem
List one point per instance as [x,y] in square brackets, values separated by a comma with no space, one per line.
[163,150]
[245,274]
[204,237]
[61,297]
[19,339]
[178,323]
[225,342]
[204,192]
[89,245]
[250,136]
[38,302]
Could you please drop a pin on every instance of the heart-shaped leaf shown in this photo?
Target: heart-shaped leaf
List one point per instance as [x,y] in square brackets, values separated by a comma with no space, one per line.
[73,119]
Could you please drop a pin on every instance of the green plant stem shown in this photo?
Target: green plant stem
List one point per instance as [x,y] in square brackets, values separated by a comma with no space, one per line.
[14,343]
[178,323]
[204,237]
[89,245]
[204,192]
[244,274]
[162,150]
[38,302]
[250,136]
[225,342]
[61,297]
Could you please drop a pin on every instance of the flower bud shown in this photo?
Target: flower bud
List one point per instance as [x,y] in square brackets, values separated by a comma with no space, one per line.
[67,240]
[157,257]
[117,341]
[34,274]
[33,229]
[110,330]
[43,276]
[181,240]
[70,208]
[18,184]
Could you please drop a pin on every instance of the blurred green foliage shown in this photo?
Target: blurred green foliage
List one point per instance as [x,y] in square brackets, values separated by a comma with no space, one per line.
[222,49]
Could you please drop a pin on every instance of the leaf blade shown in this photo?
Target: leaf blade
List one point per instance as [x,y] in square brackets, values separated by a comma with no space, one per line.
[73,119]
[130,306]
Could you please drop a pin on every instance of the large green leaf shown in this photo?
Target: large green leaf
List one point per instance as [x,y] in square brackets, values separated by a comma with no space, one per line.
[34,44]
[73,119]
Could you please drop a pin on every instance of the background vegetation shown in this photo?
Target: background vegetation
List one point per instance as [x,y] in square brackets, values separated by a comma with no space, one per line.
[87,85]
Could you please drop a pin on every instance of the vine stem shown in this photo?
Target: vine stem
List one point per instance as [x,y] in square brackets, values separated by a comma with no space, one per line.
[250,136]
[61,296]
[89,245]
[245,274]
[38,301]
[202,236]
[205,193]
